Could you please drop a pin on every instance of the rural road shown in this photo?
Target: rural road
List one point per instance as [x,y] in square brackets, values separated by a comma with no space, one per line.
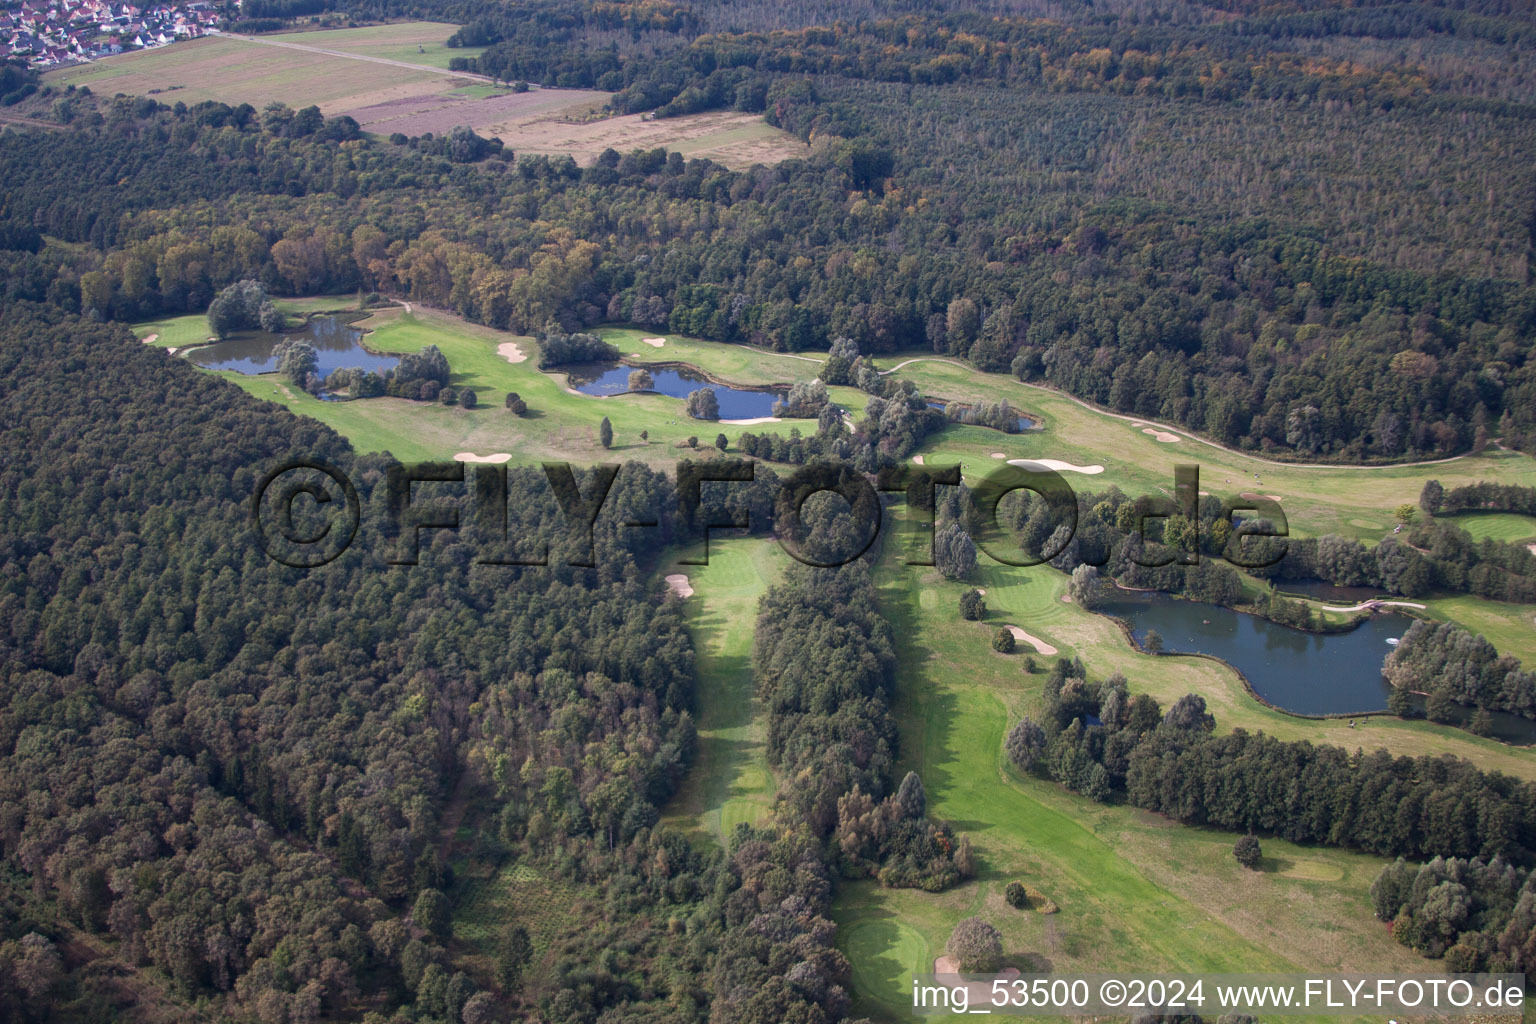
[1363,605]
[359,56]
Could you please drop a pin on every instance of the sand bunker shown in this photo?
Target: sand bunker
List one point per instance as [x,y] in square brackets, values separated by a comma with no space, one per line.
[496,459]
[1255,497]
[511,352]
[978,993]
[917,460]
[172,350]
[999,455]
[679,585]
[654,342]
[1039,645]
[1531,548]
[1161,435]
[1035,465]
[755,419]
[151,338]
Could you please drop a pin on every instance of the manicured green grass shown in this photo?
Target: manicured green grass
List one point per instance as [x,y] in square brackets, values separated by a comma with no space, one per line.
[729,781]
[741,364]
[560,424]
[1511,627]
[1136,891]
[1031,599]
[1352,501]
[1503,526]
[175,332]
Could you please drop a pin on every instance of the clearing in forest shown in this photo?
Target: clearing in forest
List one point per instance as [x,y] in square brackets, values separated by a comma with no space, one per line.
[729,781]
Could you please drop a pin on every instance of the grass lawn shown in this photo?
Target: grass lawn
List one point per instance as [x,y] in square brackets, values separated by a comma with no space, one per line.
[240,71]
[560,424]
[729,781]
[1353,501]
[1503,526]
[414,42]
[1136,891]
[1511,627]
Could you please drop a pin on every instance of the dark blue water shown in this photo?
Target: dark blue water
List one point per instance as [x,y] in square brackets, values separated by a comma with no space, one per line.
[1321,590]
[613,379]
[337,345]
[1308,673]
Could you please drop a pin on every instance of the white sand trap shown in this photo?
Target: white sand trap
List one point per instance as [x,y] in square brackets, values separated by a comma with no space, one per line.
[1035,465]
[511,351]
[1039,645]
[1137,423]
[1160,435]
[496,458]
[1531,548]
[999,455]
[1255,497]
[917,460]
[750,422]
[173,350]
[679,585]
[1066,598]
[151,338]
[977,993]
[654,342]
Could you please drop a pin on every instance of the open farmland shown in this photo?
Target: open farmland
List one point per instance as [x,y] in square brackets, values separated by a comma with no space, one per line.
[559,122]
[234,70]
[733,139]
[414,42]
[438,112]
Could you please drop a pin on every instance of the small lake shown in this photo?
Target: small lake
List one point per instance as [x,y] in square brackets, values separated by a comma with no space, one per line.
[1308,673]
[337,345]
[607,379]
[1321,590]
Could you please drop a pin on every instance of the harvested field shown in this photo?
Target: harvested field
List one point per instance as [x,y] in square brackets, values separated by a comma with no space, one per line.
[439,111]
[734,139]
[414,42]
[240,71]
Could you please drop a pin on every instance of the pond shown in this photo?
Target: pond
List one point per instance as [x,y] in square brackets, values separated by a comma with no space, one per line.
[613,379]
[337,344]
[1330,593]
[1308,673]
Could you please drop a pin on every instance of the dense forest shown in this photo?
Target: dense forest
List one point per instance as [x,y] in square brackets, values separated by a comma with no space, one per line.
[227,785]
[1221,227]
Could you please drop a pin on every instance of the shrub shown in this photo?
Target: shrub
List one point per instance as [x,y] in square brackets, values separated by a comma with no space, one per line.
[1003,642]
[975,946]
[1016,896]
[468,399]
[972,607]
[447,396]
[515,404]
[1247,851]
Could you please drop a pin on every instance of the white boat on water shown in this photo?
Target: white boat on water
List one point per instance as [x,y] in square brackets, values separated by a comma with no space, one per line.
[1392,641]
